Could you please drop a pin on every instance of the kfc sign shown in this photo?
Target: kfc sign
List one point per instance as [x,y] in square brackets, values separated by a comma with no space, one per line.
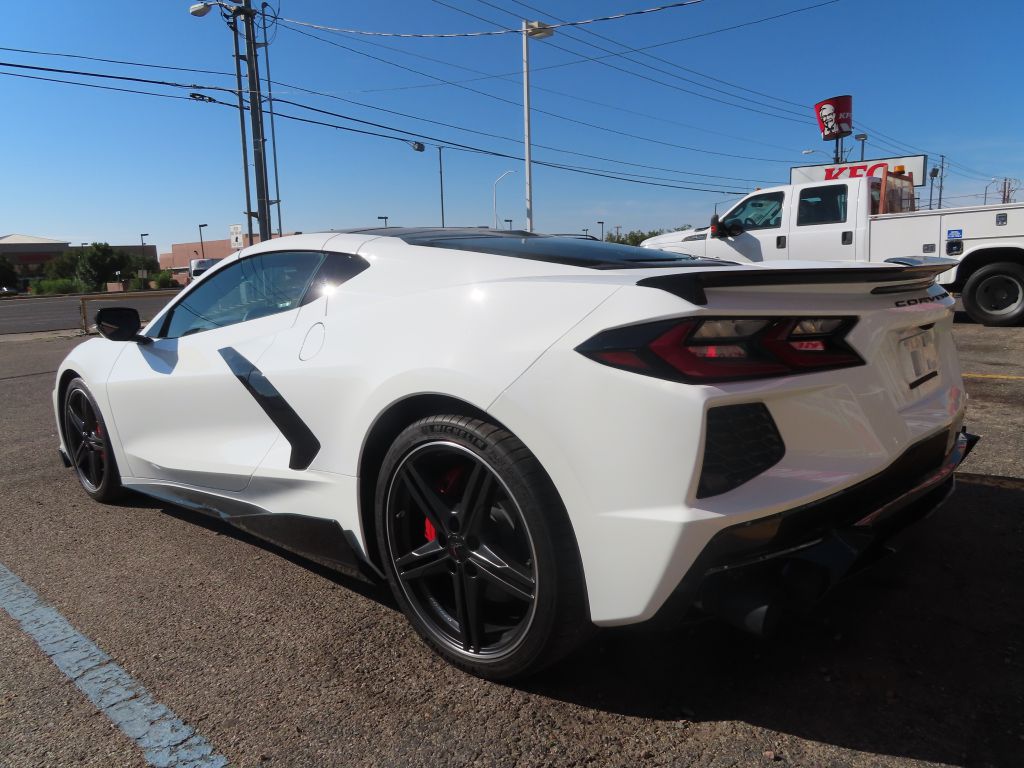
[806,174]
[835,117]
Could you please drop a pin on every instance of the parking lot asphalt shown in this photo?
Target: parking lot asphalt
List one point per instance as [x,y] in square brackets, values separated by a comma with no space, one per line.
[48,313]
[275,661]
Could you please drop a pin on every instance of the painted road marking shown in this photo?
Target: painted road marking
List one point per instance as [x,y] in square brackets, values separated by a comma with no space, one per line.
[992,376]
[166,741]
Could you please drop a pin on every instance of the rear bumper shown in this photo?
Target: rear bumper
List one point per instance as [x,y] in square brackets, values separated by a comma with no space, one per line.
[752,573]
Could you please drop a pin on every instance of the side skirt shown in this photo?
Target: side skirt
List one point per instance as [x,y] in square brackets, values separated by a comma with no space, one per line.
[318,539]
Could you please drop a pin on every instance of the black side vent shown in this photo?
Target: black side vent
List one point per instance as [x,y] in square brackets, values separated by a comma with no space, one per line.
[742,442]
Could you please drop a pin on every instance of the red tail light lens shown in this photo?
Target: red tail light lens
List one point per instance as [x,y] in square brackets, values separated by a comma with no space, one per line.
[727,348]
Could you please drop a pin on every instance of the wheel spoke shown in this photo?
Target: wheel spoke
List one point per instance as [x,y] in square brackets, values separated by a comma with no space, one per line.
[479,488]
[422,561]
[95,472]
[80,453]
[77,422]
[507,575]
[425,498]
[467,609]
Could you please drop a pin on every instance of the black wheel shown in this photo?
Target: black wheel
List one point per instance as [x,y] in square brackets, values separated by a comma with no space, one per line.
[994,294]
[85,437]
[478,548]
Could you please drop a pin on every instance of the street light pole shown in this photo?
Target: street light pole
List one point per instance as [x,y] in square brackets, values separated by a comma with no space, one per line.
[985,202]
[586,231]
[494,196]
[509,222]
[602,230]
[385,218]
[862,138]
[202,246]
[538,30]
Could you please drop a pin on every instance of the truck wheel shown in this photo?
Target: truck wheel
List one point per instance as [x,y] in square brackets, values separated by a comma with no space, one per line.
[994,294]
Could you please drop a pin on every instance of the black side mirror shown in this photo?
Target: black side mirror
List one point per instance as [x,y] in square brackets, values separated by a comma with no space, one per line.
[120,324]
[735,229]
[714,228]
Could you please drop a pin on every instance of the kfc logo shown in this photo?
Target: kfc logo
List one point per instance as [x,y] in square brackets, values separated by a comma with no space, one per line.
[835,117]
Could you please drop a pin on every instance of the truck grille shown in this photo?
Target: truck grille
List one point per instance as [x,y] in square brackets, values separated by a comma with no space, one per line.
[742,442]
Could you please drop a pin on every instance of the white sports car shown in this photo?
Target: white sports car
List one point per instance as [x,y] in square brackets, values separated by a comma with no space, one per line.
[529,435]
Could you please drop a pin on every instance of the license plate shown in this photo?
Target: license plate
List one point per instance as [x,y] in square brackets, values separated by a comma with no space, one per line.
[920,357]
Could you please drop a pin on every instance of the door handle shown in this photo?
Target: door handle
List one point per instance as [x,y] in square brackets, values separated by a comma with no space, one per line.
[848,237]
[780,241]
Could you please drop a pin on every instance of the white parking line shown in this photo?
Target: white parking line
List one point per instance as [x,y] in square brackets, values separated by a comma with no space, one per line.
[166,741]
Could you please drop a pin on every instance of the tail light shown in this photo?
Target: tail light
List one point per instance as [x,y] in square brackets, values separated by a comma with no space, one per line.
[726,348]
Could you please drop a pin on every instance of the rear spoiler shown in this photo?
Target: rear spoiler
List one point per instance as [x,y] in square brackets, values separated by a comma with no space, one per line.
[691,286]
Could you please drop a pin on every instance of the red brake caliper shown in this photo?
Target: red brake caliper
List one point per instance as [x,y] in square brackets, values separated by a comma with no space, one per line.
[450,479]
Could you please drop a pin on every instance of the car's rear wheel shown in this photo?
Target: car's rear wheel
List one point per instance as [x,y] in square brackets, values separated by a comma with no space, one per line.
[88,446]
[994,294]
[478,548]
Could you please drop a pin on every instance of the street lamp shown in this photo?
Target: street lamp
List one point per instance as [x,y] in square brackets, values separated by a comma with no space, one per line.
[142,239]
[202,246]
[494,196]
[602,230]
[538,30]
[994,180]
[812,151]
[862,138]
[586,231]
[385,219]
[509,222]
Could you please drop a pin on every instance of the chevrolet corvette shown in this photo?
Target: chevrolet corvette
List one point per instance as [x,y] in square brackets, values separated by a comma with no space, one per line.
[531,436]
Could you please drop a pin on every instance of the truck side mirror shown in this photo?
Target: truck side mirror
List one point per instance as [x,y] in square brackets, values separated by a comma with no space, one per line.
[713,229]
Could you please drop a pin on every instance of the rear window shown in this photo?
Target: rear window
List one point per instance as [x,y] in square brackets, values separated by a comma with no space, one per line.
[571,251]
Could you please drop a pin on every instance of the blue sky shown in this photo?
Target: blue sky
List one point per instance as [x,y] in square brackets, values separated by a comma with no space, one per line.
[85,164]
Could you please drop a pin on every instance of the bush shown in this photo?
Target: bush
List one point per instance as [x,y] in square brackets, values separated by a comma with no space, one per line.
[164,279]
[58,285]
[137,284]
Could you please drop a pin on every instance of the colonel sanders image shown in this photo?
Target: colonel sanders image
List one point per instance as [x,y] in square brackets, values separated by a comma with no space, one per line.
[828,118]
[834,124]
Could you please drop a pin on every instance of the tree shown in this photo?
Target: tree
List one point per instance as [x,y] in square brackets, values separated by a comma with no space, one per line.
[637,236]
[64,266]
[100,264]
[8,274]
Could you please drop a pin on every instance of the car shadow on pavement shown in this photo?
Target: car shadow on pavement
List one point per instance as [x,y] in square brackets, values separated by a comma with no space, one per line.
[920,657]
[378,592]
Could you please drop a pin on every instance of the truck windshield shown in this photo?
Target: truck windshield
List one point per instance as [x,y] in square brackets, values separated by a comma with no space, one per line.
[757,212]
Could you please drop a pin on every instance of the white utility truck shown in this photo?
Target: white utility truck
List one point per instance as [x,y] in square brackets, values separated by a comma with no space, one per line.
[872,218]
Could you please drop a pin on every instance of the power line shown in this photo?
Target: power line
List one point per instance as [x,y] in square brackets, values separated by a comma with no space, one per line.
[636,74]
[394,112]
[449,144]
[492,33]
[540,111]
[652,56]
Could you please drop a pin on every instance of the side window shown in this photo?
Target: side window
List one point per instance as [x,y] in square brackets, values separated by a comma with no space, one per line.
[758,212]
[336,269]
[876,195]
[822,205]
[250,288]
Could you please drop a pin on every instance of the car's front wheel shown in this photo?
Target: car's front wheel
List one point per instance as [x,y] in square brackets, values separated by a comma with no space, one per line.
[478,548]
[88,446]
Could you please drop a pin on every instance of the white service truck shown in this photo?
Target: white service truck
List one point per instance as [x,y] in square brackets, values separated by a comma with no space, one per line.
[873,219]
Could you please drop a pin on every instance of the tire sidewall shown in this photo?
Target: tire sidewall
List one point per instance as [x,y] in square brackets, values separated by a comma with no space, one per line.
[535,505]
[981,315]
[111,488]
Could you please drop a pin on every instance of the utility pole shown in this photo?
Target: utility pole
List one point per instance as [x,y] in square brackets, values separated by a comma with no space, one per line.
[942,176]
[259,148]
[270,105]
[540,31]
[440,172]
[233,24]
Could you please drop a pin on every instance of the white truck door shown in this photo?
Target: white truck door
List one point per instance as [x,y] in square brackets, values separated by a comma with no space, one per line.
[758,222]
[823,224]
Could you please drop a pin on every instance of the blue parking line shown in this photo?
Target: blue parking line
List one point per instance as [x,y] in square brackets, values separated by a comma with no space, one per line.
[166,741]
